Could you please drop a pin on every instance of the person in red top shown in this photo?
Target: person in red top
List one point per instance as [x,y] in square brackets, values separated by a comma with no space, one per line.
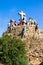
[20,22]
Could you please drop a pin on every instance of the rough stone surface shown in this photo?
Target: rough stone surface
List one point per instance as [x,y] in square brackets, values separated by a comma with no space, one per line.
[34,43]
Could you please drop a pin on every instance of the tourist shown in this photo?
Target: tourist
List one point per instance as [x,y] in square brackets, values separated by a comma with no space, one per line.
[30,21]
[23,33]
[36,25]
[23,21]
[12,24]
[20,22]
[9,25]
[15,23]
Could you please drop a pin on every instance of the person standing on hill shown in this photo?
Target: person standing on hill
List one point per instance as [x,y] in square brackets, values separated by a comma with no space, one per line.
[11,24]
[23,33]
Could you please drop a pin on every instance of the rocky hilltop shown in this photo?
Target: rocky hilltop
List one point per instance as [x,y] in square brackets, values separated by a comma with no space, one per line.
[34,42]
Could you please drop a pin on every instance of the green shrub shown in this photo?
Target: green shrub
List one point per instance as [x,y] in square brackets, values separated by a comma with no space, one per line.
[12,51]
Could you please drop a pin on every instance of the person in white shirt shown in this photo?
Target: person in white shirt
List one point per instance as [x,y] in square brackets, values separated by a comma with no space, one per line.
[8,24]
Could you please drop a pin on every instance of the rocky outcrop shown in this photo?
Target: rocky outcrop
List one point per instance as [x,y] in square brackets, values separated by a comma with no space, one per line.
[34,43]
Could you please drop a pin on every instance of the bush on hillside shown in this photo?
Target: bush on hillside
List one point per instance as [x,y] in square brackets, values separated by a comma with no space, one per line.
[12,51]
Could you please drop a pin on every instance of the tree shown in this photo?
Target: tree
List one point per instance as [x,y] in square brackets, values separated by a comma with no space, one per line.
[12,51]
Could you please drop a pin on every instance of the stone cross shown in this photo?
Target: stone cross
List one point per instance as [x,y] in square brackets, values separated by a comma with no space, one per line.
[22,15]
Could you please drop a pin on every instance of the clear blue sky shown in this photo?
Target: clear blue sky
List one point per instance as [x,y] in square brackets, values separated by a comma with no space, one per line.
[9,10]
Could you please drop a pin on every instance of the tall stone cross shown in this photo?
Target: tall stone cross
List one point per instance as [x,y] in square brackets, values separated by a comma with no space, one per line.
[22,15]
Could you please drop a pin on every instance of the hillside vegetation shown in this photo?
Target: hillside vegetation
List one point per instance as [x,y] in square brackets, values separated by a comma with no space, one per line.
[12,51]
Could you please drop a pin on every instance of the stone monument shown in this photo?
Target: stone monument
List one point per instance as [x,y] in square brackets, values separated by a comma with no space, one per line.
[22,15]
